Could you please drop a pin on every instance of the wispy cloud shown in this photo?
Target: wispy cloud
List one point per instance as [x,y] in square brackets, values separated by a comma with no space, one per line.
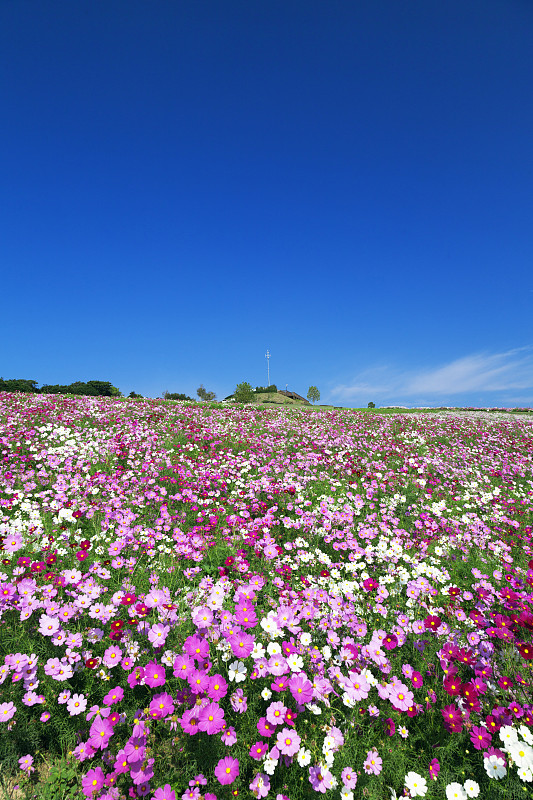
[478,372]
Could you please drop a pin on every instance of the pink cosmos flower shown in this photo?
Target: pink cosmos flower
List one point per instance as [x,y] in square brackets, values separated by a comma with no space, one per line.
[434,769]
[211,718]
[416,679]
[198,681]
[100,733]
[136,677]
[48,625]
[277,665]
[265,728]
[373,763]
[202,617]
[76,704]
[227,770]
[276,713]
[112,656]
[134,750]
[92,782]
[154,674]
[161,706]
[165,793]
[7,711]
[158,633]
[260,785]
[401,697]
[114,696]
[480,737]
[121,763]
[196,647]
[288,742]
[218,688]
[189,721]
[229,736]
[183,666]
[241,643]
[320,778]
[301,688]
[349,777]
[238,701]
[258,750]
[26,763]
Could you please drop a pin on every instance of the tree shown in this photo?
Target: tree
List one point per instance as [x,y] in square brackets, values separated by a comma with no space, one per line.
[313,394]
[203,394]
[244,393]
[134,395]
[371,405]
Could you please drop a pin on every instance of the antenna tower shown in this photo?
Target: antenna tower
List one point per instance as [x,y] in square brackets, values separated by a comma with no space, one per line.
[267,356]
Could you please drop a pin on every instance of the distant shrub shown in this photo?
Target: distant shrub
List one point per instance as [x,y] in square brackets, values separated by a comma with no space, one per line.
[371,405]
[244,393]
[272,389]
[175,396]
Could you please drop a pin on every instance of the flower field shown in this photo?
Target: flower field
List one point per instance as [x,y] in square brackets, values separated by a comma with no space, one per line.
[207,602]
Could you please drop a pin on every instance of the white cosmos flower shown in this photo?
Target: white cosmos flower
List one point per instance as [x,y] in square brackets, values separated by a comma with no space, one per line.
[522,754]
[494,767]
[295,662]
[258,651]
[508,734]
[525,733]
[525,774]
[269,765]
[237,671]
[305,639]
[472,788]
[454,791]
[270,627]
[273,649]
[416,784]
[303,757]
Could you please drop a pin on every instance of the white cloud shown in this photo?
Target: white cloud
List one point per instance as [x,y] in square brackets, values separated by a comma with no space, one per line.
[479,372]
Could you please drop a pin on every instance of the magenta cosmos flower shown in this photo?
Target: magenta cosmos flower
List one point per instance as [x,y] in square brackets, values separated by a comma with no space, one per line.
[114,696]
[161,706]
[218,688]
[211,718]
[165,793]
[154,674]
[301,689]
[227,770]
[258,750]
[92,782]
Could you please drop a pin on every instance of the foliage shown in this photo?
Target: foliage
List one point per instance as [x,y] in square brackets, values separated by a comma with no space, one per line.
[18,385]
[313,394]
[371,405]
[134,396]
[176,396]
[203,394]
[243,393]
[272,389]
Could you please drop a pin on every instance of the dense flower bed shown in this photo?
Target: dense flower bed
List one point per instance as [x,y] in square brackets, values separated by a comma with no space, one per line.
[203,602]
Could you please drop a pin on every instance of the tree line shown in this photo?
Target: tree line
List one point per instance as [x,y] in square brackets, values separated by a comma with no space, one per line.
[87,388]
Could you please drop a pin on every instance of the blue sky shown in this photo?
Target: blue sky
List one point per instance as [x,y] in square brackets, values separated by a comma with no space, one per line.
[348,184]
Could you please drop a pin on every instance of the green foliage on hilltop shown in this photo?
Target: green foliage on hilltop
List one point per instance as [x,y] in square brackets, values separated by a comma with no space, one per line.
[89,388]
[244,393]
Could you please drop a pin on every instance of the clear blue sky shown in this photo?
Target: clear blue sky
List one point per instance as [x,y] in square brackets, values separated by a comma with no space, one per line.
[348,184]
